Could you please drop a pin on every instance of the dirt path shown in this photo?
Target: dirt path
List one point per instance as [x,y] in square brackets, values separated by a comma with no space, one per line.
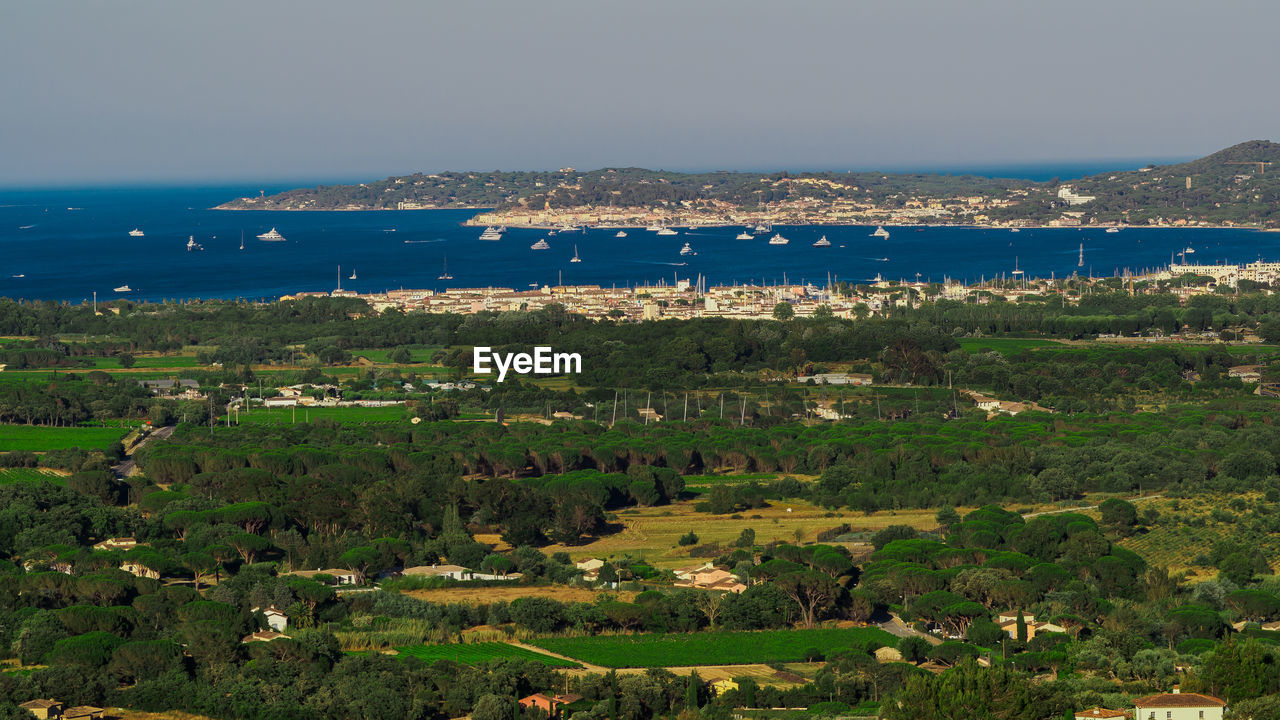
[1087,507]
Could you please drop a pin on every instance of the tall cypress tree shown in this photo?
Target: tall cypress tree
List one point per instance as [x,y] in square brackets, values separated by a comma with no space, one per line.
[691,692]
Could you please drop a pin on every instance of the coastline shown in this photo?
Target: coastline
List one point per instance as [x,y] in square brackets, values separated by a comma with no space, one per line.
[552,220]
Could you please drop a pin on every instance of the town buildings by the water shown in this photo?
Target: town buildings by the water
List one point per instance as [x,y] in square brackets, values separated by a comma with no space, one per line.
[690,298]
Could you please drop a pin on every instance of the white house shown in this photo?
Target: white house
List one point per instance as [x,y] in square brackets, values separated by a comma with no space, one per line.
[457,572]
[1178,706]
[276,620]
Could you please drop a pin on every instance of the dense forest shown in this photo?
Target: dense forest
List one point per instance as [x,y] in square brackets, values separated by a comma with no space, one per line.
[222,516]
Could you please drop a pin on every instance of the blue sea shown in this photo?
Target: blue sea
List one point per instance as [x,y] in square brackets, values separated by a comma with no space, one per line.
[66,244]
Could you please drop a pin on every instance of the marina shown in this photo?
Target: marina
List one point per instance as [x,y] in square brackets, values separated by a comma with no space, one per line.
[411,257]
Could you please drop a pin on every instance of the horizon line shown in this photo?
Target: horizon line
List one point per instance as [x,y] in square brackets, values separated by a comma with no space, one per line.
[294,181]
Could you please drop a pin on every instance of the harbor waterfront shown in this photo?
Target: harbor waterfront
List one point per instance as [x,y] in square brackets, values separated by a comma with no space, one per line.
[68,244]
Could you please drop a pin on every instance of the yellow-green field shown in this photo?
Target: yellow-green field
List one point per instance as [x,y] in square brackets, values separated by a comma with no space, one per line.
[652,533]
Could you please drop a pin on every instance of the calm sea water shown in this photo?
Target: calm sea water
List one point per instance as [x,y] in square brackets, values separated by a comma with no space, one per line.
[67,244]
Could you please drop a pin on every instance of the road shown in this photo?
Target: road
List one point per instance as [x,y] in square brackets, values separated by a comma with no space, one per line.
[127,467]
[894,626]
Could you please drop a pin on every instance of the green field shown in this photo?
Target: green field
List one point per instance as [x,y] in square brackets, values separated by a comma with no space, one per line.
[34,438]
[710,648]
[477,653]
[14,476]
[730,479]
[379,355]
[286,415]
[1005,346]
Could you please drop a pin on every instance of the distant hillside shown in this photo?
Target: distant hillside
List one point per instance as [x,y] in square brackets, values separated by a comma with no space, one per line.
[1228,187]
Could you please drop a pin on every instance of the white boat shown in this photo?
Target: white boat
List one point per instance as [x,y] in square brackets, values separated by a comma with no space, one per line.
[668,231]
[880,233]
[353,274]
[569,228]
[687,250]
[778,240]
[1113,229]
[271,236]
[763,228]
[882,259]
[491,233]
[541,245]
[1189,251]
[744,235]
[621,233]
[19,275]
[123,288]
[653,228]
[136,233]
[575,258]
[822,242]
[877,278]
[445,275]
[192,244]
[241,239]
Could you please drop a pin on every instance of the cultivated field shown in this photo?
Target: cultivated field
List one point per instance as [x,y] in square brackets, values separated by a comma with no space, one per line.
[34,438]
[652,533]
[287,415]
[13,476]
[1188,529]
[477,653]
[726,648]
[478,595]
[1005,346]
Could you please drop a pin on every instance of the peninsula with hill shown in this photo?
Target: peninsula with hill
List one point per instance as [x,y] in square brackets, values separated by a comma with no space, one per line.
[1235,187]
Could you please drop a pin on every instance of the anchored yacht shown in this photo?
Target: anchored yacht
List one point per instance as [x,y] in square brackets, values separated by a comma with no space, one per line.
[192,245]
[881,233]
[491,233]
[136,233]
[668,231]
[271,236]
[541,245]
[778,240]
[744,235]
[822,242]
[687,250]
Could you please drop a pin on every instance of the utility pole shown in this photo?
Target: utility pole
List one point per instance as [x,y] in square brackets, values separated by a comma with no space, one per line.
[615,409]
[686,408]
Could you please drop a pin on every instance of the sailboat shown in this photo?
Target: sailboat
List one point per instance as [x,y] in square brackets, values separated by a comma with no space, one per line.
[353,274]
[445,275]
[575,258]
[242,239]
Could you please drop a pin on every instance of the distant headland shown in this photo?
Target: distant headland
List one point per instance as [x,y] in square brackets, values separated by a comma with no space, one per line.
[1235,187]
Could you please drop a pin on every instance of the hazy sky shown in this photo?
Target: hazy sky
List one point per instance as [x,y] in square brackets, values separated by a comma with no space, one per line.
[103,90]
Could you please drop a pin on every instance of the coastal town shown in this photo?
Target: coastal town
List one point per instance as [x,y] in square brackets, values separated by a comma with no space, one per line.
[685,298]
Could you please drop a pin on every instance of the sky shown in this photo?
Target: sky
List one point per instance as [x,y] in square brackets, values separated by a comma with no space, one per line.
[102,91]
